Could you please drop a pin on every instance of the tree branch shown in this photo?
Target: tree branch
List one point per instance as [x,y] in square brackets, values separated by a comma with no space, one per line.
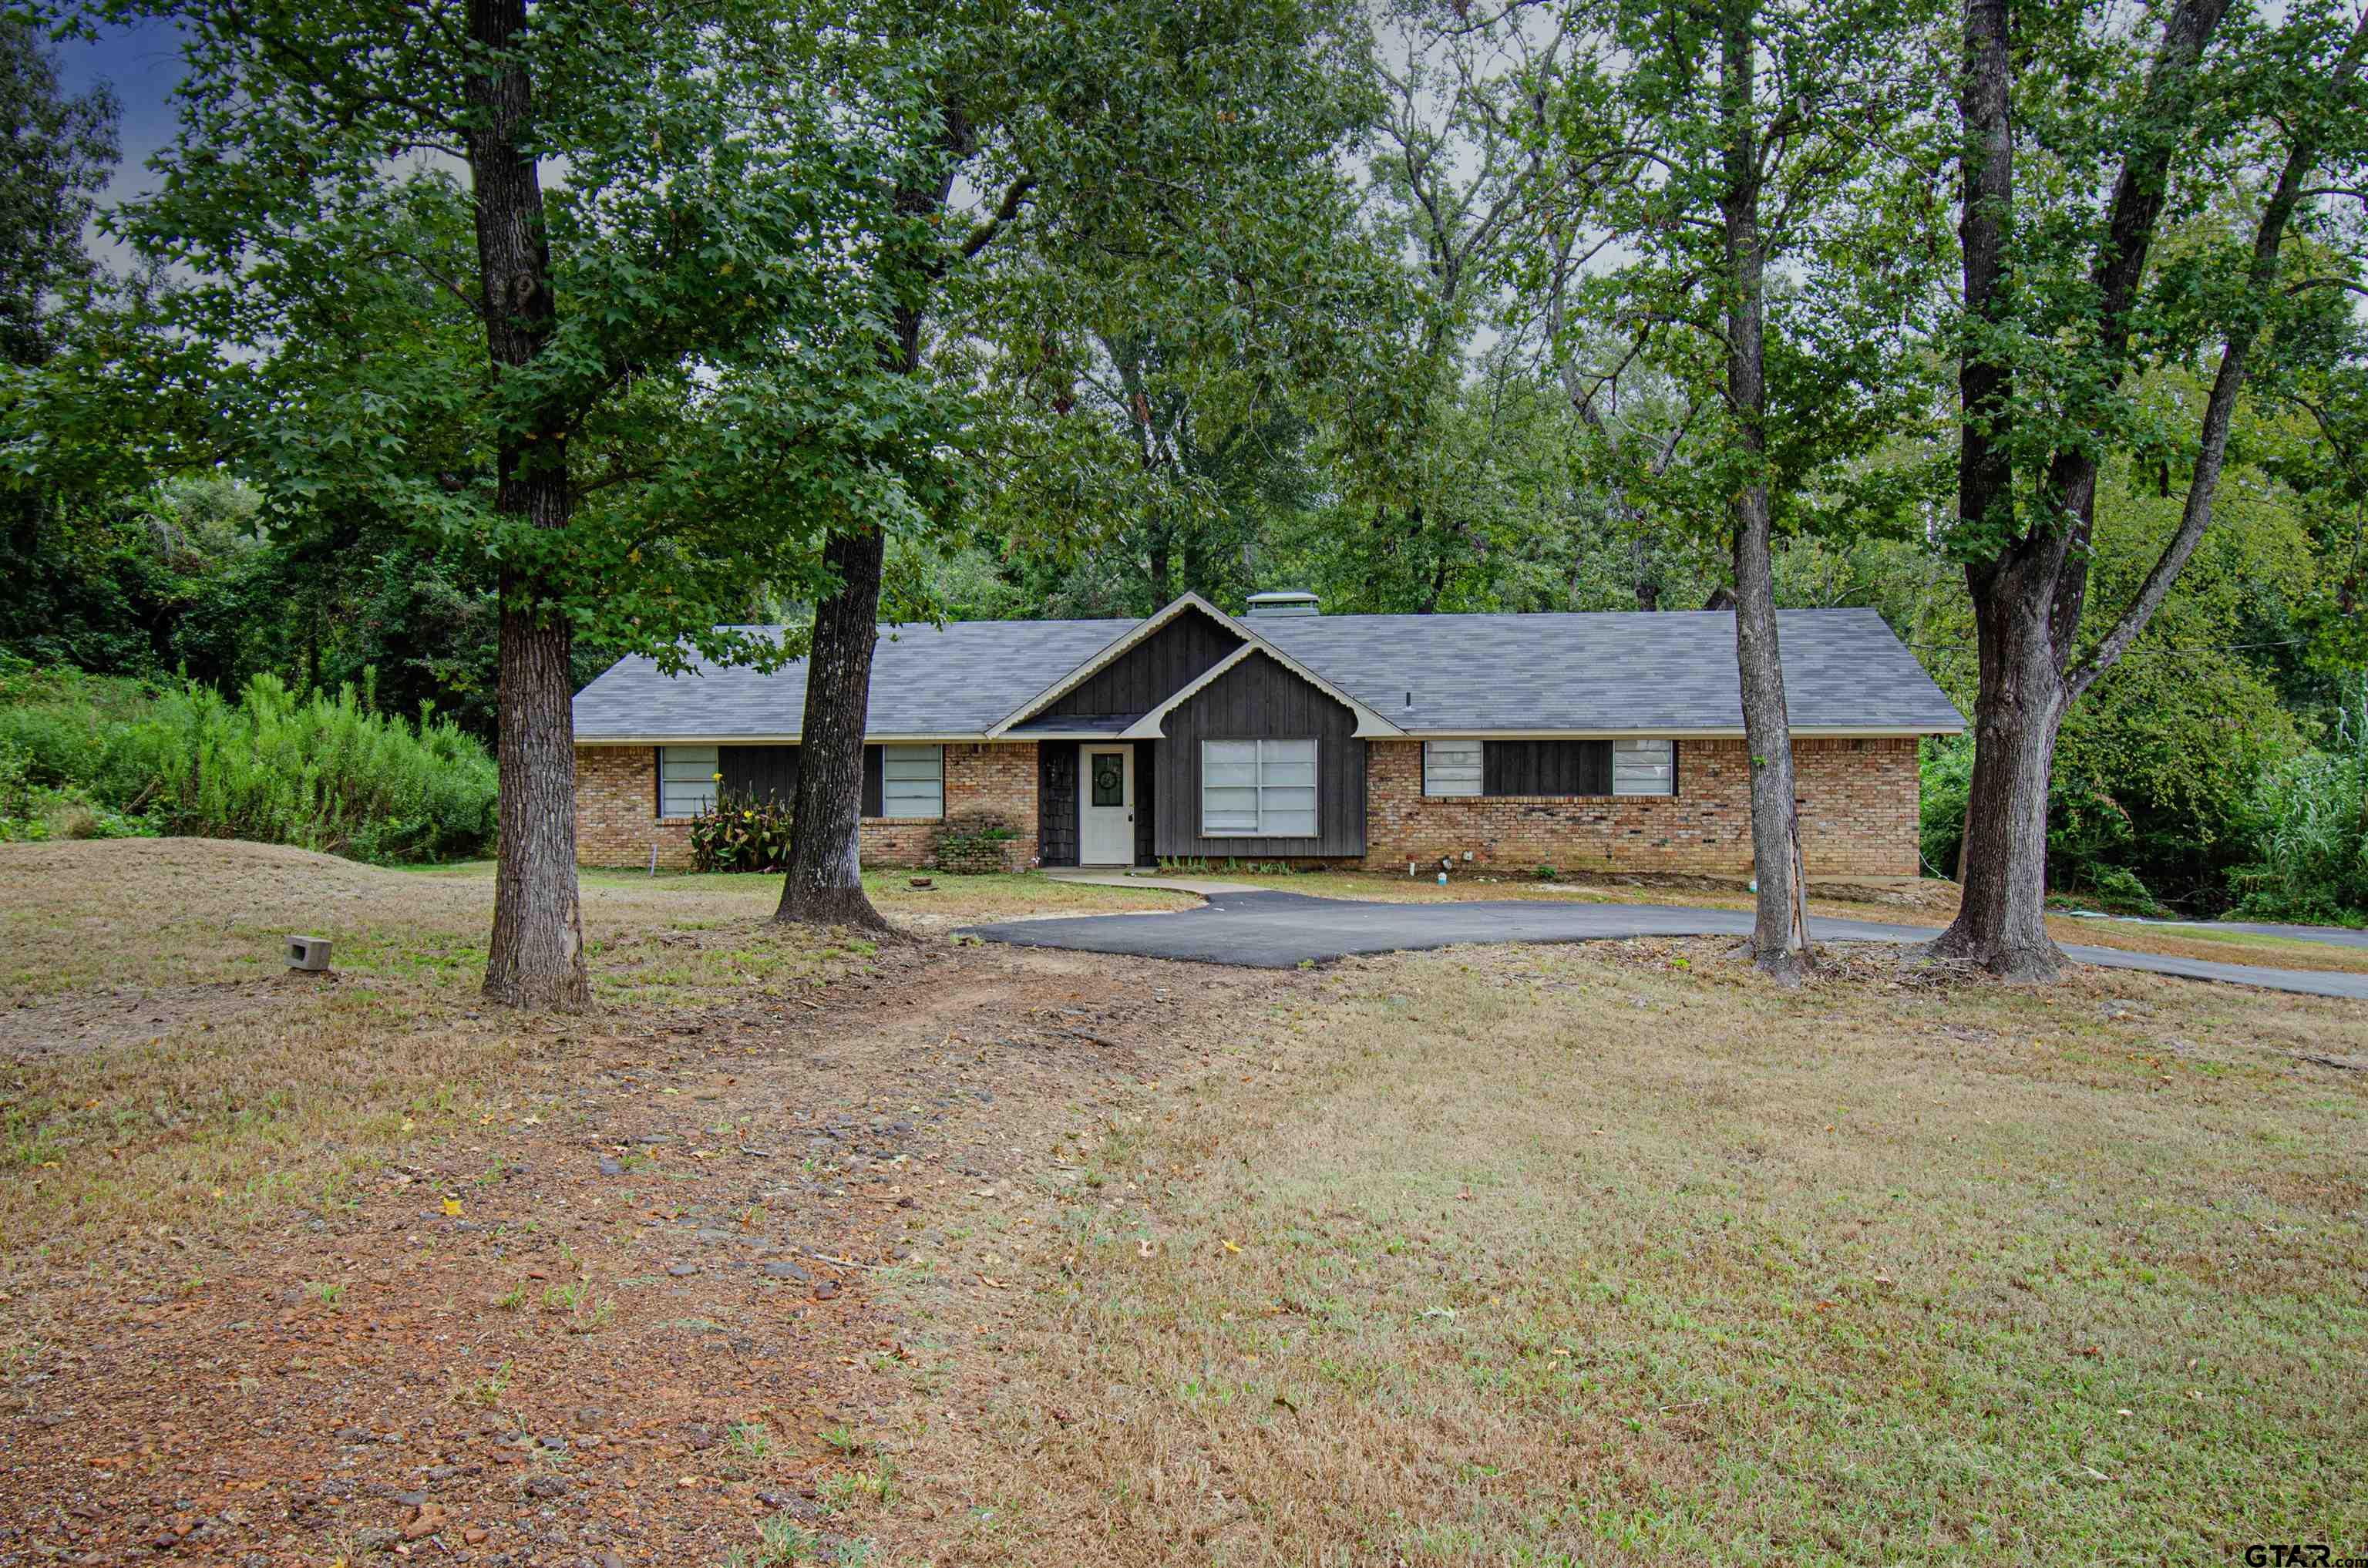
[2220,409]
[2348,285]
[1014,196]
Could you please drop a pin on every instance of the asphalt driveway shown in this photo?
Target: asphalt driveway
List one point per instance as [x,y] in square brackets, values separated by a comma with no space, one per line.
[1283,930]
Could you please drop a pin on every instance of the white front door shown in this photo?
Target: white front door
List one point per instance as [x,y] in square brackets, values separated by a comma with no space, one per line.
[1106,806]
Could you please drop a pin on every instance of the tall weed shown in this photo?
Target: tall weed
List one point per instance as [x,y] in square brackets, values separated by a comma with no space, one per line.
[2311,832]
[321,771]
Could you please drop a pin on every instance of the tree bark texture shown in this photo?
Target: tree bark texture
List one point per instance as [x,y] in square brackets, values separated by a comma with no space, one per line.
[2017,712]
[2030,592]
[825,884]
[536,955]
[1779,941]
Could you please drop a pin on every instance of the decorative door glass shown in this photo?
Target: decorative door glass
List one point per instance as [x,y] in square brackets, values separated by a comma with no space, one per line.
[1110,778]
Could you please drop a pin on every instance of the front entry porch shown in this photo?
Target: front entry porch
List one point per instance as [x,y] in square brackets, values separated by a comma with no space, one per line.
[1096,802]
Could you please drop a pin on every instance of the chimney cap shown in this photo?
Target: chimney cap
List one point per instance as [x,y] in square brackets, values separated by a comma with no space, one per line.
[1284,601]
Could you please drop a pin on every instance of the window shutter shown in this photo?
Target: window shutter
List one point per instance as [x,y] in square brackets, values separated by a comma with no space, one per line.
[873,776]
[913,781]
[1287,789]
[1547,767]
[1258,789]
[1593,773]
[1229,776]
[760,772]
[685,780]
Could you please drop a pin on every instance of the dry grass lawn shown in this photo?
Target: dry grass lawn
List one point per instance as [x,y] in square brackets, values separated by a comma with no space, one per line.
[1604,1255]
[302,1269]
[1548,1255]
[158,1034]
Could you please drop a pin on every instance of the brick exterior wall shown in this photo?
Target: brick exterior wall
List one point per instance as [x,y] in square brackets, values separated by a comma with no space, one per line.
[616,802]
[1858,812]
[1858,815]
[616,811]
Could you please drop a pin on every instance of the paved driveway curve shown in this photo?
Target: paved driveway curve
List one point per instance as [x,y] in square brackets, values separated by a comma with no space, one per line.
[1283,930]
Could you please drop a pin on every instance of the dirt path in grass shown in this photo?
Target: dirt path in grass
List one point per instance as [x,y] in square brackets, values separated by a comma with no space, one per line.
[630,1329]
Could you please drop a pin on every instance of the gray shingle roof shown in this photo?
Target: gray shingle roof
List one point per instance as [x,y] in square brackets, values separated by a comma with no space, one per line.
[1661,670]
[1668,672]
[925,681]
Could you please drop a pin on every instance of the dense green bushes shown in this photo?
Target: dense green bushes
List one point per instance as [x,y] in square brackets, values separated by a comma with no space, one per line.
[2291,845]
[2090,837]
[85,756]
[2313,835]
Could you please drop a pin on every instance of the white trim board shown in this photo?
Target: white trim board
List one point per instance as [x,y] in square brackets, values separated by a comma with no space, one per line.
[1802,732]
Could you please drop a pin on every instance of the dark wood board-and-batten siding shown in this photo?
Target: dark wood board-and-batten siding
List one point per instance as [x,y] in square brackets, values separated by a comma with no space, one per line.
[1056,803]
[758,771]
[1259,700]
[1151,672]
[1146,803]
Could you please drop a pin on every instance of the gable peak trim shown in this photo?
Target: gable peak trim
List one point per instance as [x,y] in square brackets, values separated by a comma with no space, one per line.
[1117,648]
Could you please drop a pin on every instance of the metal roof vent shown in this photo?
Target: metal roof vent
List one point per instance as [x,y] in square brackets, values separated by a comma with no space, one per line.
[1284,601]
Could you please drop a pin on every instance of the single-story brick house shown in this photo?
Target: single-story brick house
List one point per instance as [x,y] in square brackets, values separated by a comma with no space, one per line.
[1586,742]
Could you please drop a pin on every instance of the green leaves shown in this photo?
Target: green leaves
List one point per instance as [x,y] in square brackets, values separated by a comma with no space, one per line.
[1640,143]
[56,151]
[710,378]
[742,833]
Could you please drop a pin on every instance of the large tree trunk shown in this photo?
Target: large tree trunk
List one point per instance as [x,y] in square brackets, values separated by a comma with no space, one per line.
[2002,864]
[2029,589]
[1999,924]
[825,883]
[536,956]
[1779,942]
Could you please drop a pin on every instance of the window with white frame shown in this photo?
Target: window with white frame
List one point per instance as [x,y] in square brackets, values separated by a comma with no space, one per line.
[912,781]
[1452,767]
[1258,788]
[1644,767]
[687,780]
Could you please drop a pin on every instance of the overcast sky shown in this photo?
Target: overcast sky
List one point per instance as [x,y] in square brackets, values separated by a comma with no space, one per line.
[142,64]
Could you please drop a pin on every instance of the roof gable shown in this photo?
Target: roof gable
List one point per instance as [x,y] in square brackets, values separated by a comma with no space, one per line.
[1035,708]
[1149,670]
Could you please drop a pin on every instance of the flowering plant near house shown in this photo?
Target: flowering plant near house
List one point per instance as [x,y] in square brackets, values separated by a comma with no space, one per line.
[741,832]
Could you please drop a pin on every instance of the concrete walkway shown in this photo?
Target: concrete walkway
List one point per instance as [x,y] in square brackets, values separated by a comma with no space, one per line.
[1281,930]
[1205,886]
